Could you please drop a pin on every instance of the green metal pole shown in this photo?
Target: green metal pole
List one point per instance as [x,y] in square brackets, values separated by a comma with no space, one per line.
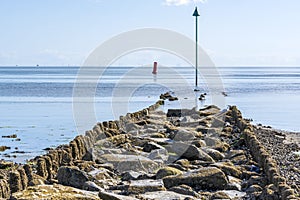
[196,14]
[196,52]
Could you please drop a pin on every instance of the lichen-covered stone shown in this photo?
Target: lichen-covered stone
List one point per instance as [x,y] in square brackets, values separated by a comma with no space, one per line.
[23,177]
[143,186]
[42,168]
[189,151]
[71,176]
[4,189]
[228,168]
[15,183]
[166,195]
[55,191]
[167,171]
[204,178]
[112,196]
[124,163]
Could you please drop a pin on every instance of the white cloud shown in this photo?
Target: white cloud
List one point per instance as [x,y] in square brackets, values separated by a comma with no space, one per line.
[181,2]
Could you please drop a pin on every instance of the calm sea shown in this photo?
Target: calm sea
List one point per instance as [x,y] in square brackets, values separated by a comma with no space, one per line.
[36,103]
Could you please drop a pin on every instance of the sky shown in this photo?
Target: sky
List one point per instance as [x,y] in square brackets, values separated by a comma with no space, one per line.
[232,32]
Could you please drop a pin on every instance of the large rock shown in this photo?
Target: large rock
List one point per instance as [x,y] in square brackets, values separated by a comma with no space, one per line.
[112,196]
[71,176]
[55,191]
[184,189]
[229,169]
[132,127]
[124,162]
[209,110]
[204,178]
[101,174]
[143,186]
[215,154]
[165,195]
[216,143]
[131,175]
[149,146]
[112,141]
[229,194]
[15,183]
[91,186]
[184,135]
[189,151]
[167,171]
[159,155]
[219,195]
[4,188]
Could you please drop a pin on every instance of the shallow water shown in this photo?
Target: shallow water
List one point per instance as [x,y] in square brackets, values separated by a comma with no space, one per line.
[37,103]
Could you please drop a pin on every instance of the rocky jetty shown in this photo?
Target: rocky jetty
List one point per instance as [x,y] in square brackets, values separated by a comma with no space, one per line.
[181,154]
[284,148]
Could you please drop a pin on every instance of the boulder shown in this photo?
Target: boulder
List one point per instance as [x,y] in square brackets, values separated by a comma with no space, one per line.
[269,193]
[123,163]
[54,191]
[165,195]
[203,178]
[229,169]
[15,182]
[71,176]
[3,148]
[254,189]
[183,162]
[143,186]
[157,135]
[4,188]
[217,123]
[112,196]
[173,98]
[184,189]
[220,195]
[174,113]
[229,194]
[91,186]
[132,127]
[101,174]
[209,110]
[212,141]
[189,151]
[149,146]
[6,164]
[167,171]
[234,183]
[234,153]
[234,194]
[184,135]
[112,141]
[199,143]
[215,154]
[238,160]
[132,175]
[36,180]
[159,155]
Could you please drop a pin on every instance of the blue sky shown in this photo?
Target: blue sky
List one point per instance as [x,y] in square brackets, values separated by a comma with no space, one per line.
[233,32]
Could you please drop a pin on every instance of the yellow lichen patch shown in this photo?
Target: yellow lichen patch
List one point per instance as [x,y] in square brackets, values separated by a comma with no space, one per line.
[55,191]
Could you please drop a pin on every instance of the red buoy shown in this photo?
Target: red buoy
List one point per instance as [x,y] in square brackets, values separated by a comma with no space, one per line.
[154,68]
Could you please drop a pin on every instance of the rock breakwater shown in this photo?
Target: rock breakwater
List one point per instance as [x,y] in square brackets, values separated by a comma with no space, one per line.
[182,154]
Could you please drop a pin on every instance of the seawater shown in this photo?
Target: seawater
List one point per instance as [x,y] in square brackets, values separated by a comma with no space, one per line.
[36,103]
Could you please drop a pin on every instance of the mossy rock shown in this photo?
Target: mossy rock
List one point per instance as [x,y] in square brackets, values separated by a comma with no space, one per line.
[167,171]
